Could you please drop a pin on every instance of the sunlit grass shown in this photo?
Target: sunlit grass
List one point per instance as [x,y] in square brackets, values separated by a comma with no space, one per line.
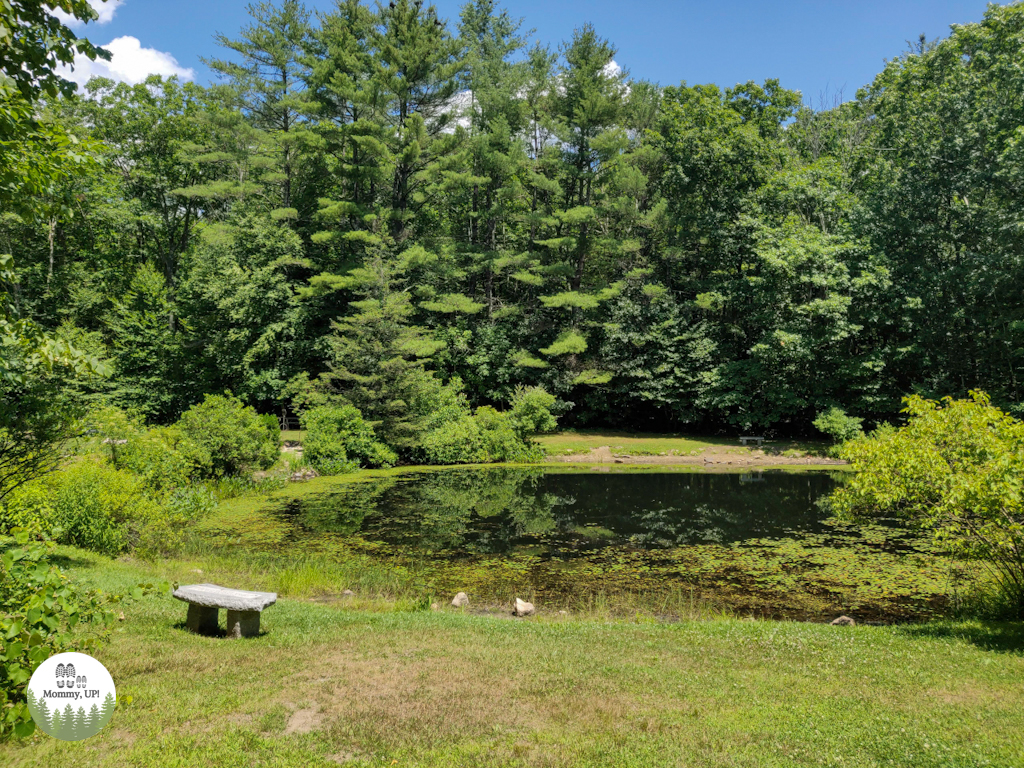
[356,683]
[641,444]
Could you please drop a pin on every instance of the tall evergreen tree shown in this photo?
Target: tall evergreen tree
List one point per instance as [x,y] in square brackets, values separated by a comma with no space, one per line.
[270,82]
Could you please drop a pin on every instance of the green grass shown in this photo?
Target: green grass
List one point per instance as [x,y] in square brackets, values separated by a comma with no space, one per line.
[330,684]
[293,435]
[641,444]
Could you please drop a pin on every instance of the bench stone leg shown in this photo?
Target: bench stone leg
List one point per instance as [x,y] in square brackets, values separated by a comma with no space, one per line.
[202,619]
[243,623]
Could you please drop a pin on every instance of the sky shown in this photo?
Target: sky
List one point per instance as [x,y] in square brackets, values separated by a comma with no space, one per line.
[819,47]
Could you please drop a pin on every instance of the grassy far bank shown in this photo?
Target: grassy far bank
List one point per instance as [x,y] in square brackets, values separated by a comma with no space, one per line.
[650,444]
[329,684]
[573,442]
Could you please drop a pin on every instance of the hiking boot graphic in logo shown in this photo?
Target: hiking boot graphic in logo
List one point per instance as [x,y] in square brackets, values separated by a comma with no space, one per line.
[65,676]
[71,696]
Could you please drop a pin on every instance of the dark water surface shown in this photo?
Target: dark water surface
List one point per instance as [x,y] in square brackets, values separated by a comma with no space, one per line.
[504,510]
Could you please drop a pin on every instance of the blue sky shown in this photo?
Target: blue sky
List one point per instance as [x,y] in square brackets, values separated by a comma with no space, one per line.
[814,47]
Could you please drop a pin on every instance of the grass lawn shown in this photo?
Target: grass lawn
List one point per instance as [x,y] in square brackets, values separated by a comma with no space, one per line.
[641,444]
[333,684]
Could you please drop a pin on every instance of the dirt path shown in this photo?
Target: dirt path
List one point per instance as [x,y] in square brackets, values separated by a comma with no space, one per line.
[708,457]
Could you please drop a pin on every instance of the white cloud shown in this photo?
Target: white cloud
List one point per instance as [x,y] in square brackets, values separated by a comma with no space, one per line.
[129,63]
[106,11]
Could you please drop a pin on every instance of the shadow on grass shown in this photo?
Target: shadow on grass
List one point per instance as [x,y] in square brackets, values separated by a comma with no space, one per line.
[1000,636]
[221,632]
[66,561]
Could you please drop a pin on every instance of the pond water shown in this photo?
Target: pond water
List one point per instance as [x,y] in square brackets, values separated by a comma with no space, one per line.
[758,543]
[565,514]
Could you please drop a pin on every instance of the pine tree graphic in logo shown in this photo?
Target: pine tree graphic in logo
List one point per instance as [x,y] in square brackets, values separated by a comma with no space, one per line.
[71,696]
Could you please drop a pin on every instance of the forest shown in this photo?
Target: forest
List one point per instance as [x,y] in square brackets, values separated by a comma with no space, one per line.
[378,207]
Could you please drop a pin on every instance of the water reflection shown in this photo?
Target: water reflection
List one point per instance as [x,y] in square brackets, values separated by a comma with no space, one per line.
[499,510]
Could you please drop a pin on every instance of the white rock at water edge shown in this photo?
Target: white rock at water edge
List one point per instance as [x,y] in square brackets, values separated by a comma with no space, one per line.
[523,608]
[461,600]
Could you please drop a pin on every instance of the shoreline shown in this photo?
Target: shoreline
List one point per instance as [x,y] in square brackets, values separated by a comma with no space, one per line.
[739,458]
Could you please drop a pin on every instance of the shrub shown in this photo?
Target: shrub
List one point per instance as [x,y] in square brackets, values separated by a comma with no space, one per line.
[233,436]
[167,526]
[338,440]
[954,469]
[107,510]
[91,502]
[501,441]
[273,427]
[531,411]
[836,424]
[455,442]
[161,456]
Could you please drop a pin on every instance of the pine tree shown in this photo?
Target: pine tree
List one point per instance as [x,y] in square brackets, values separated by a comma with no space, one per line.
[95,719]
[350,110]
[378,355]
[419,72]
[107,711]
[56,723]
[67,728]
[489,193]
[74,723]
[270,80]
[40,710]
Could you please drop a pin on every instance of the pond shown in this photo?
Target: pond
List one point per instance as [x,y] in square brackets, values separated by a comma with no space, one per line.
[568,514]
[756,543]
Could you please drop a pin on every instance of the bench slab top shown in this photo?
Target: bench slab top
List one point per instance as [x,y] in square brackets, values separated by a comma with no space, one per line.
[212,596]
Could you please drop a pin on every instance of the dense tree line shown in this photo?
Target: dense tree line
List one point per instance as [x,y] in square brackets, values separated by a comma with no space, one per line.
[372,202]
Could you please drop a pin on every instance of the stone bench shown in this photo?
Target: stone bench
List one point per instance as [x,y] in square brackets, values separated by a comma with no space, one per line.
[206,600]
[745,440]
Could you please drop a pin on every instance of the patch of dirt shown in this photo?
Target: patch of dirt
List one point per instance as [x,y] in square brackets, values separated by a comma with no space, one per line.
[710,458]
[400,691]
[303,721]
[343,757]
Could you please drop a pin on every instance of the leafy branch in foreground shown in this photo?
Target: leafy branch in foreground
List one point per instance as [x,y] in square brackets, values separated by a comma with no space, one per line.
[956,469]
[37,413]
[42,613]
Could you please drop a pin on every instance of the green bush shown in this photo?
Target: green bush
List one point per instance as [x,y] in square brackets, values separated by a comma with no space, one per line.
[501,440]
[273,426]
[455,442]
[954,469]
[836,424]
[531,411]
[168,525]
[107,510]
[231,437]
[94,505]
[161,456]
[338,440]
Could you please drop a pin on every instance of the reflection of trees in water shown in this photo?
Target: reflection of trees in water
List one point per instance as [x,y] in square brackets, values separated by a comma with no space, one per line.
[496,509]
[668,527]
[475,510]
[343,511]
[661,510]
